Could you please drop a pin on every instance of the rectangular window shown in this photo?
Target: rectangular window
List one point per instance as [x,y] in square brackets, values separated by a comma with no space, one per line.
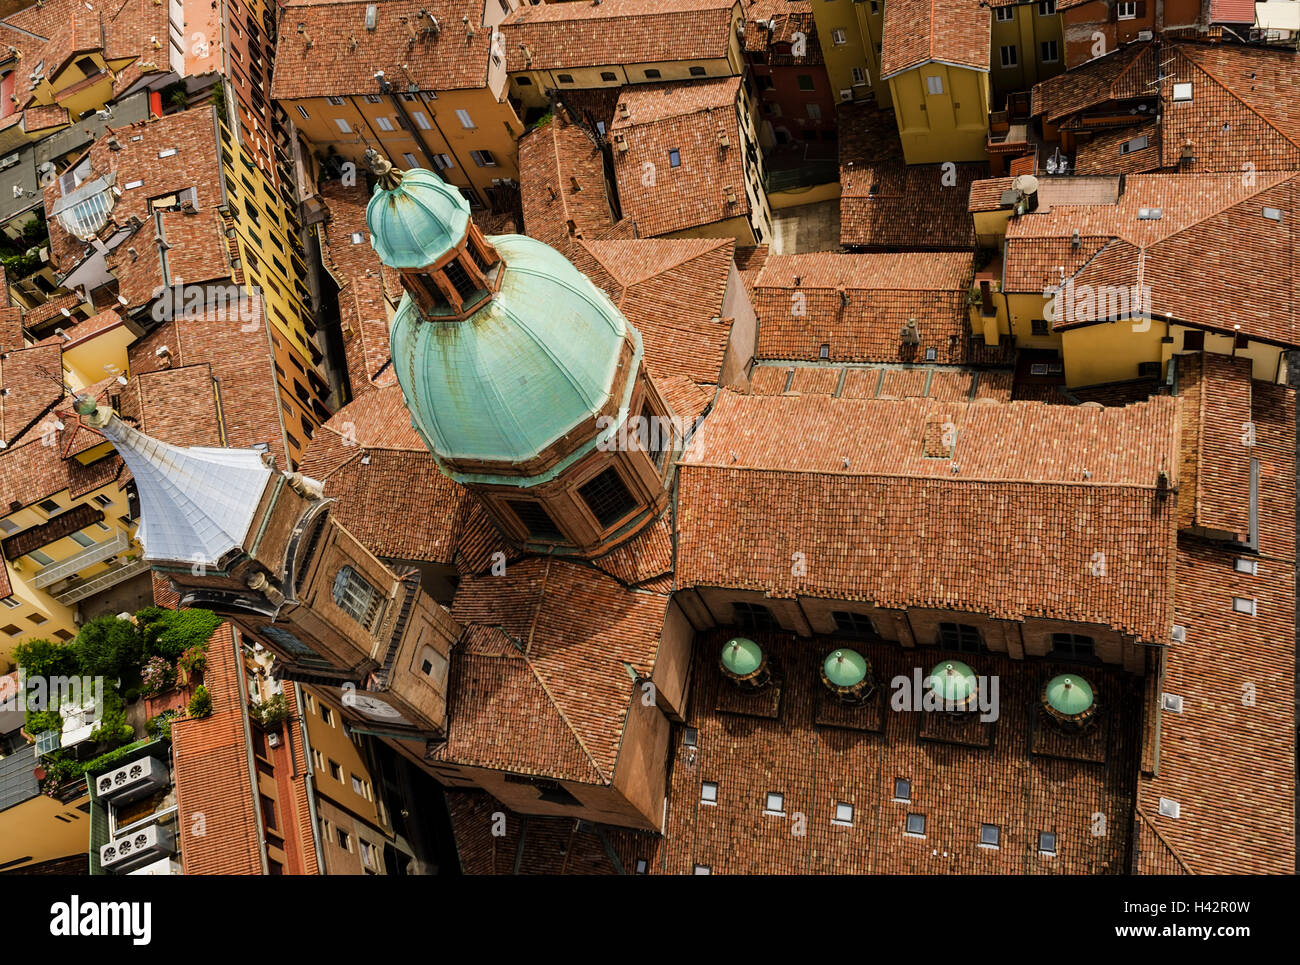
[535,519]
[384,123]
[268,813]
[358,787]
[342,125]
[41,557]
[1126,11]
[1047,842]
[410,160]
[814,112]
[1008,54]
[851,624]
[838,37]
[1038,326]
[859,75]
[11,602]
[697,71]
[1072,646]
[483,159]
[916,825]
[103,500]
[674,158]
[344,839]
[1046,8]
[960,637]
[806,82]
[754,616]
[934,84]
[652,74]
[990,835]
[336,101]
[465,120]
[48,507]
[443,162]
[607,497]
[564,78]
[81,539]
[302,111]
[421,120]
[1004,13]
[327,717]
[336,772]
[1050,52]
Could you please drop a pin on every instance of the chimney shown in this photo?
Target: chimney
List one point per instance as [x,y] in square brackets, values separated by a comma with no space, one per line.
[724,141]
[164,356]
[731,194]
[1075,241]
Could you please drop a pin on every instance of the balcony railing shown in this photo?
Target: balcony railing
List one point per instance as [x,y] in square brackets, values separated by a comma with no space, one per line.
[78,591]
[79,561]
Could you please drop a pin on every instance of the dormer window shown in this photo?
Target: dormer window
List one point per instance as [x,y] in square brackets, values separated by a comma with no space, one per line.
[356,597]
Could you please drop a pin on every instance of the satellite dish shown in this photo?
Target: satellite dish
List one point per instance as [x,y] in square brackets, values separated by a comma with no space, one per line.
[1026,184]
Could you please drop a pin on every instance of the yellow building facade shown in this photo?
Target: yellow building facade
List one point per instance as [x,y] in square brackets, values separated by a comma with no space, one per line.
[1028,45]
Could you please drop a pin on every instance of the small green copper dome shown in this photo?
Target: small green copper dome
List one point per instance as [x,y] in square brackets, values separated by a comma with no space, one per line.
[953,681]
[1068,694]
[742,656]
[845,668]
[520,372]
[417,222]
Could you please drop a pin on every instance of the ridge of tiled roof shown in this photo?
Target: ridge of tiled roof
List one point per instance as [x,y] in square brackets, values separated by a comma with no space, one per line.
[337,55]
[616,32]
[1125,71]
[919,32]
[562,181]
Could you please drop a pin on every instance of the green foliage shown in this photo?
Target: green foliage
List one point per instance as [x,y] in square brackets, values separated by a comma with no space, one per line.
[44,658]
[158,675]
[219,99]
[39,721]
[194,660]
[177,95]
[201,702]
[21,255]
[169,633]
[270,713]
[160,727]
[113,728]
[107,647]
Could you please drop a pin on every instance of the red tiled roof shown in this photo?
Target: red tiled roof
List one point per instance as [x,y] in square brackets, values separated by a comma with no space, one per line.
[673,292]
[800,301]
[688,118]
[1217,389]
[363,295]
[563,189]
[539,683]
[1229,761]
[31,380]
[1128,71]
[616,32]
[336,54]
[1019,521]
[919,32]
[1211,259]
[912,206]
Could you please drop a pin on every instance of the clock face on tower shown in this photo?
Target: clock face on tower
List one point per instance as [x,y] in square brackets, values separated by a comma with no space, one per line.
[374,707]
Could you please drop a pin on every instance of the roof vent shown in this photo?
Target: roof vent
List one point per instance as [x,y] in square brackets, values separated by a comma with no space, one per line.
[847,674]
[730,193]
[724,141]
[1182,92]
[620,142]
[372,15]
[1150,214]
[1172,703]
[1273,214]
[1169,808]
[1075,240]
[1178,634]
[745,664]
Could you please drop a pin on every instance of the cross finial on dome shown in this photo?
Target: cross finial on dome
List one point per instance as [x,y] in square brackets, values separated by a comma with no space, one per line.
[389,177]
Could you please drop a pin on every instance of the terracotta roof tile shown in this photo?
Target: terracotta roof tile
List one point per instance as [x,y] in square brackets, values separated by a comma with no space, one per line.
[918,32]
[910,207]
[337,55]
[687,118]
[616,32]
[563,188]
[1019,495]
[858,304]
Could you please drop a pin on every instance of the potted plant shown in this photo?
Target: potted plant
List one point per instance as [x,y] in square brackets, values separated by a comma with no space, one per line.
[156,676]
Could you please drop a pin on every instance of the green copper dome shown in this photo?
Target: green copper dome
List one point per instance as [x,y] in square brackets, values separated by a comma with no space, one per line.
[533,362]
[418,221]
[845,668]
[953,681]
[742,656]
[1068,694]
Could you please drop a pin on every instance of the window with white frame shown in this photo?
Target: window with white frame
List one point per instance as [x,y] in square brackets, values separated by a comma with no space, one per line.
[1009,55]
[934,84]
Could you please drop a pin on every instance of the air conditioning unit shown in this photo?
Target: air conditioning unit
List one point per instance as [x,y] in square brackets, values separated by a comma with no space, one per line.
[8,162]
[1146,35]
[274,739]
[136,849]
[132,782]
[846,95]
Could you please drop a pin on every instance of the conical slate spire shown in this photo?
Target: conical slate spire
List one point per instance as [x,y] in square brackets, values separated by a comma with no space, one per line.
[196,503]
